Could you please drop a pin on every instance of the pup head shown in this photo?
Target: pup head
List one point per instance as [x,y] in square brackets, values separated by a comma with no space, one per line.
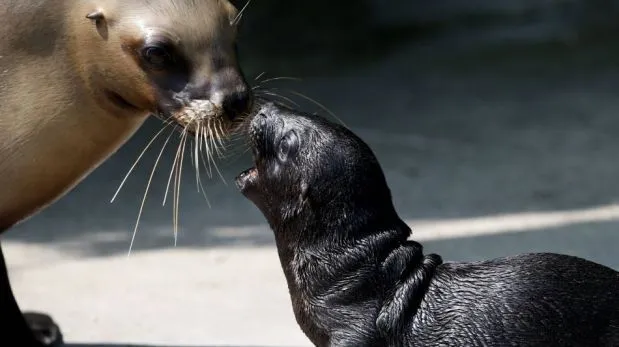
[312,176]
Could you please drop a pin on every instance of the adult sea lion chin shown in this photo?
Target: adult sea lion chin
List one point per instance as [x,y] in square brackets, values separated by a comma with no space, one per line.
[79,77]
[356,280]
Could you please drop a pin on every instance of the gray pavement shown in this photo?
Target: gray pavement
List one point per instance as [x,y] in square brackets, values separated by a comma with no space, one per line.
[484,159]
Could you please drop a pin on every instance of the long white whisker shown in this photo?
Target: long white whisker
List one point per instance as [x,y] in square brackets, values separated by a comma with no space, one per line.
[318,104]
[211,136]
[263,82]
[259,75]
[196,143]
[150,179]
[198,155]
[218,172]
[214,136]
[205,162]
[240,14]
[167,189]
[220,139]
[207,150]
[208,202]
[122,183]
[217,140]
[280,96]
[178,188]
[280,78]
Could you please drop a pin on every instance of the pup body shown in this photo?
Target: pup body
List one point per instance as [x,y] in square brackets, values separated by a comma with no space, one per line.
[355,279]
[538,299]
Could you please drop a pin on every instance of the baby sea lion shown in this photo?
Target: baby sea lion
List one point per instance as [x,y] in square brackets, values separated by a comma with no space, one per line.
[79,77]
[356,280]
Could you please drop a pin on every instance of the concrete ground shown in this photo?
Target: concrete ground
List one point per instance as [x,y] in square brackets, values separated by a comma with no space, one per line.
[498,157]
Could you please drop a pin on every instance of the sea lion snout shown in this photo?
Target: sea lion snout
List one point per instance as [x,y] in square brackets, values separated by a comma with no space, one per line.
[237,103]
[267,113]
[236,97]
[258,123]
[223,100]
[228,90]
[263,115]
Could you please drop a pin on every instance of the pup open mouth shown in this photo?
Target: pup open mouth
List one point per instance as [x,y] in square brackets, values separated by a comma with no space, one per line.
[247,179]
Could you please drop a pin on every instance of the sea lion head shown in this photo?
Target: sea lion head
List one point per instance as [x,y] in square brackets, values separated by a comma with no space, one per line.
[312,175]
[173,58]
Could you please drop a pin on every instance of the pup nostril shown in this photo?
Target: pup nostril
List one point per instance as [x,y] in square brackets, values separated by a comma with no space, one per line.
[261,119]
[258,123]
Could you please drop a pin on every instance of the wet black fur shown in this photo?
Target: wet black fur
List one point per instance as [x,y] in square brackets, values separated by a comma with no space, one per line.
[355,279]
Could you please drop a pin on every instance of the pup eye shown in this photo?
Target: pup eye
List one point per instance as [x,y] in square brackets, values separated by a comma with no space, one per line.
[157,57]
[288,146]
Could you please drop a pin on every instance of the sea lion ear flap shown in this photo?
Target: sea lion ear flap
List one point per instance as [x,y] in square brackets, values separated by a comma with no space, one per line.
[96,15]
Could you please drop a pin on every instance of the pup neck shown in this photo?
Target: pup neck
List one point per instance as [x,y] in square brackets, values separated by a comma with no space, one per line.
[350,283]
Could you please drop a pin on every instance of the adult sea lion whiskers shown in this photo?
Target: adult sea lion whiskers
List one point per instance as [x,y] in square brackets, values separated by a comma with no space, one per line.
[239,15]
[202,144]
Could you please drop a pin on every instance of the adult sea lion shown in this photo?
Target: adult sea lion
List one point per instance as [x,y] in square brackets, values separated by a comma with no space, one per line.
[79,77]
[356,280]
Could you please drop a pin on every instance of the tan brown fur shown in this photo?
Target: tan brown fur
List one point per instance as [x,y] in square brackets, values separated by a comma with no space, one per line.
[56,123]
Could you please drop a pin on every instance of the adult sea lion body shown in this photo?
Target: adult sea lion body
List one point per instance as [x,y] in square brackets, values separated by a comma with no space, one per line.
[79,77]
[356,280]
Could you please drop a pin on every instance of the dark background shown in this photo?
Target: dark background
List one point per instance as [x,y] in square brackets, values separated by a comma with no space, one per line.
[320,36]
[475,109]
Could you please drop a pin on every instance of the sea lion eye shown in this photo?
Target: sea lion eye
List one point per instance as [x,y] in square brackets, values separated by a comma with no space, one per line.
[287,146]
[157,57]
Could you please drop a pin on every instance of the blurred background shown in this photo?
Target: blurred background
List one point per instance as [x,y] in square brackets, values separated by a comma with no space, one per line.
[495,123]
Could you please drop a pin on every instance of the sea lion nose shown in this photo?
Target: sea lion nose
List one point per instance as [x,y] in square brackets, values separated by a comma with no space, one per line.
[259,121]
[266,110]
[237,103]
[227,89]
